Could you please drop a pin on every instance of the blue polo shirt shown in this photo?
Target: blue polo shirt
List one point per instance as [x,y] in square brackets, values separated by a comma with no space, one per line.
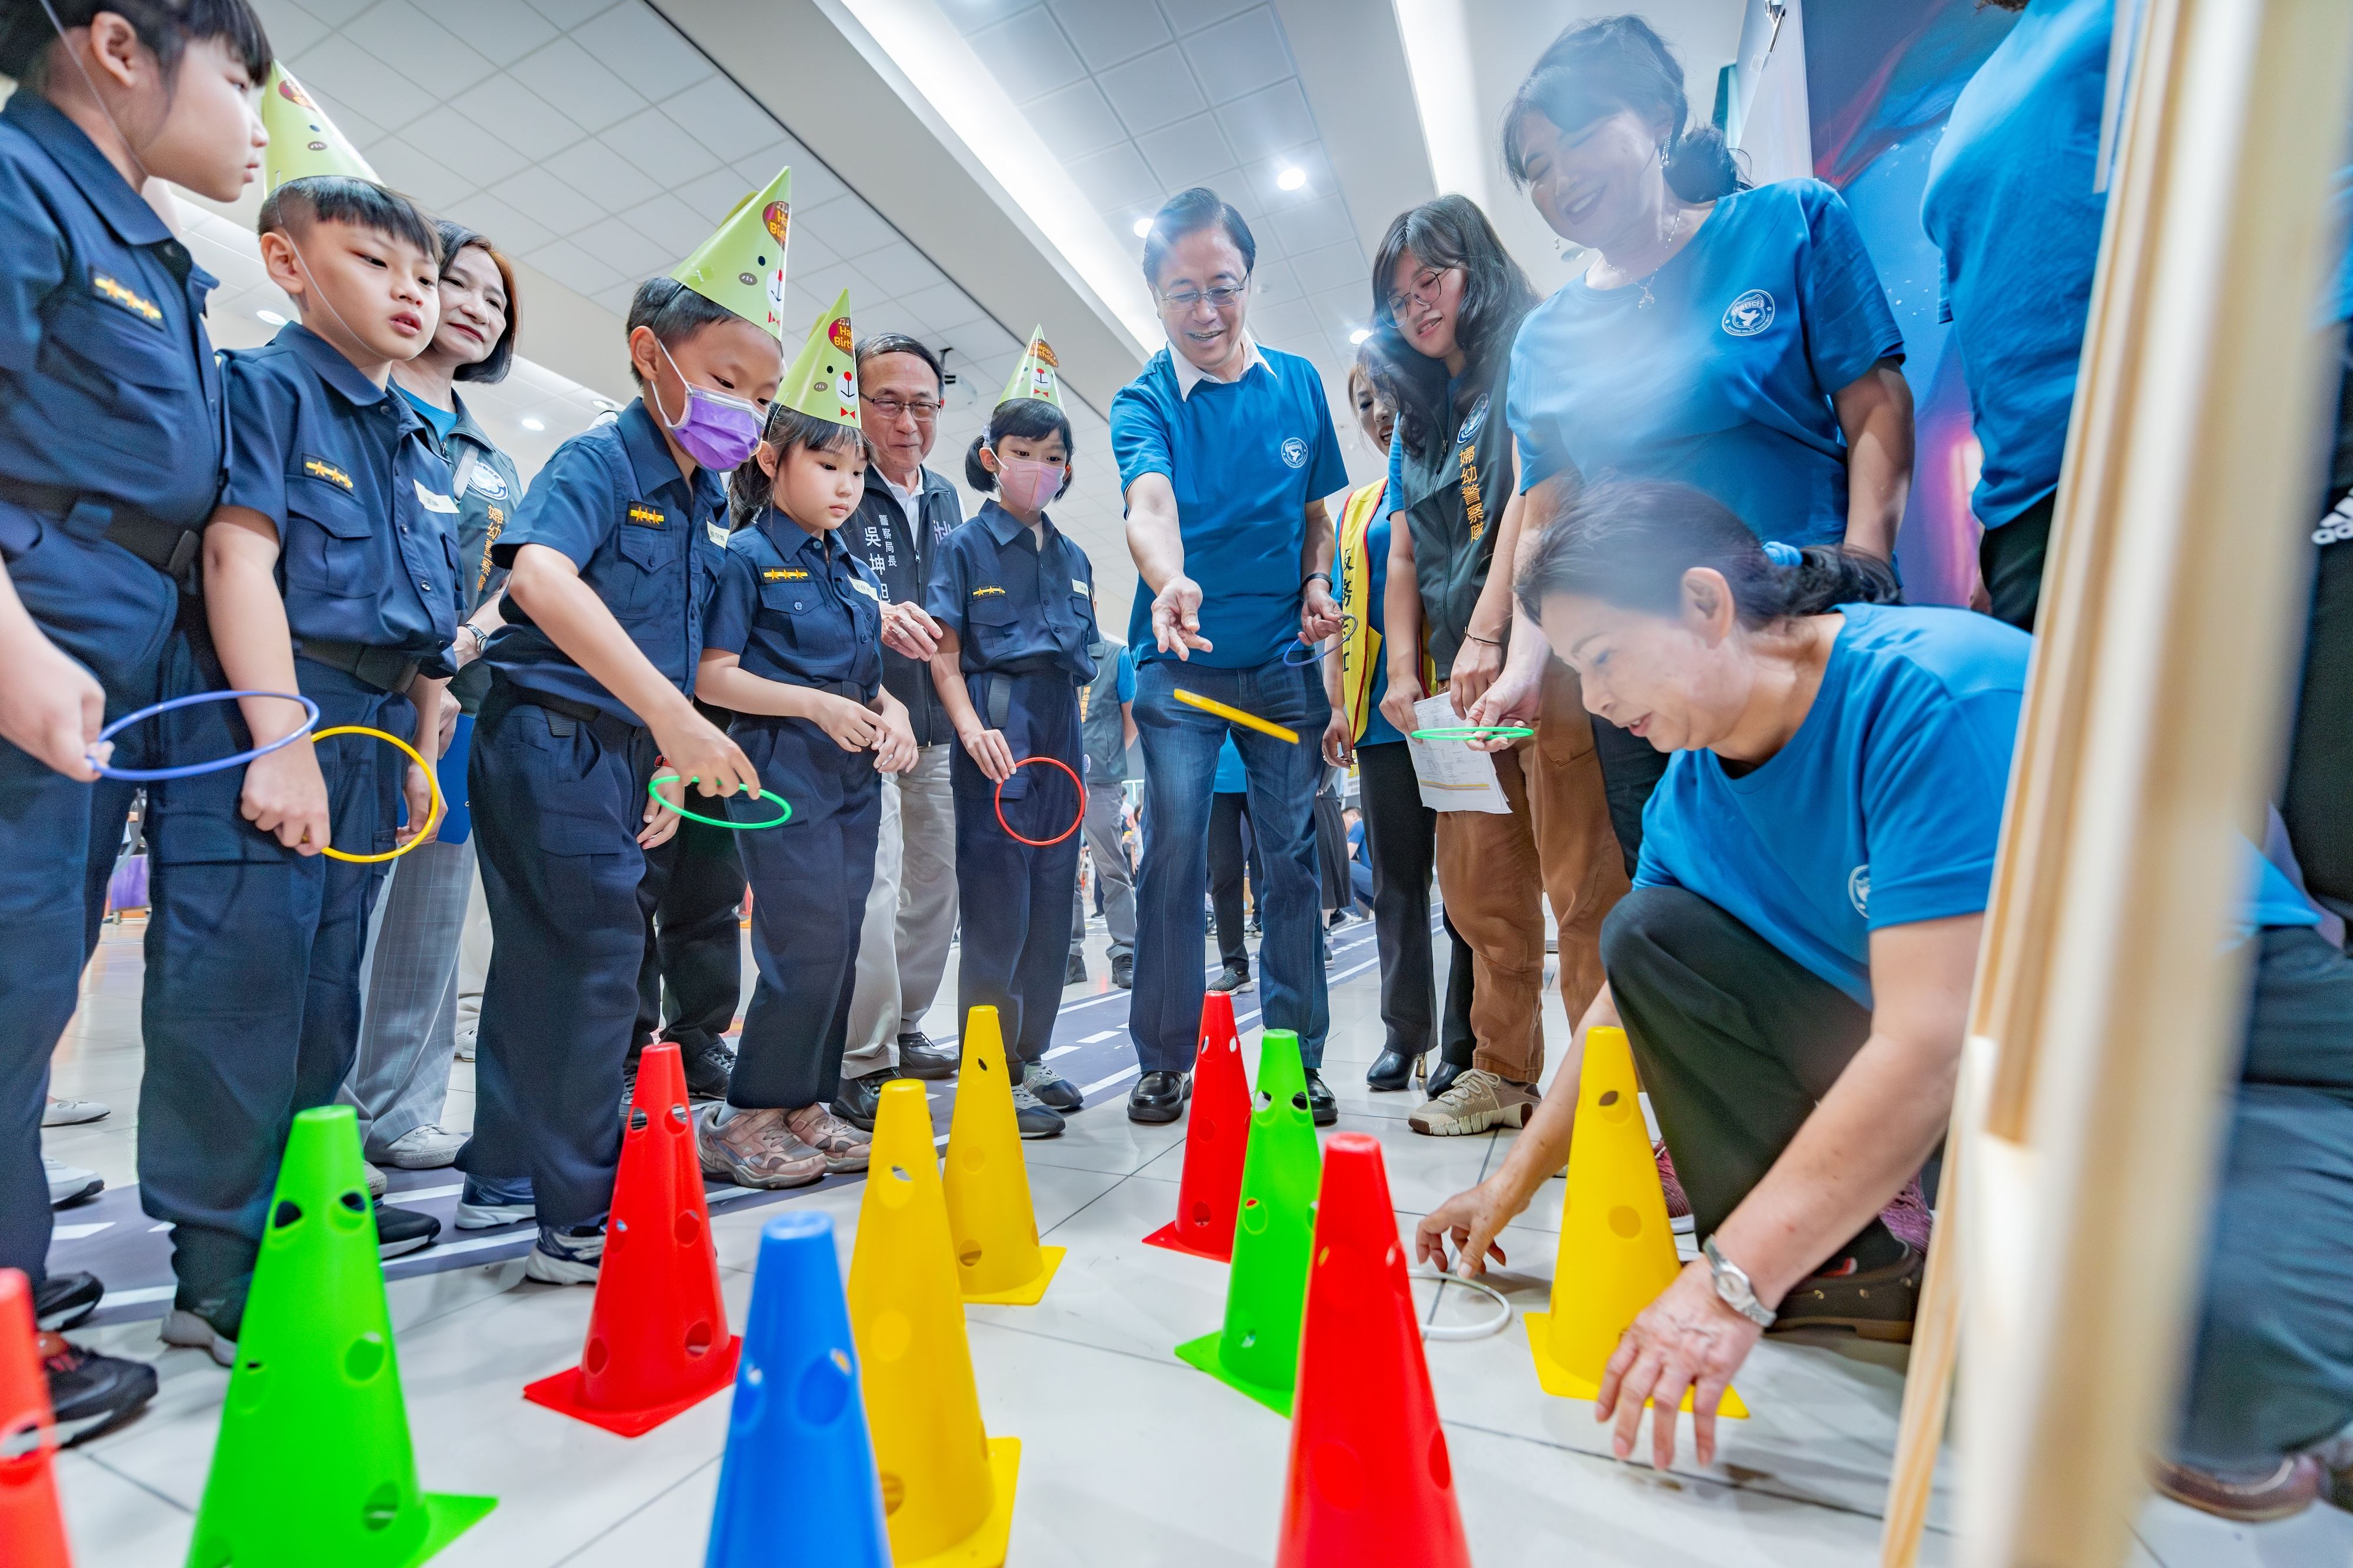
[798,607]
[1884,808]
[1014,607]
[1724,380]
[645,540]
[108,383]
[367,540]
[1231,779]
[1245,459]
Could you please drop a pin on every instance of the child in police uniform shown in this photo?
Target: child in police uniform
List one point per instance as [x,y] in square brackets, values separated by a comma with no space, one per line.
[614,554]
[110,461]
[1015,598]
[330,569]
[793,646]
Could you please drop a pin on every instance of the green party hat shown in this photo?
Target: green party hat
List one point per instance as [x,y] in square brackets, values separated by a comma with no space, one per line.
[742,265]
[302,141]
[823,381]
[1035,377]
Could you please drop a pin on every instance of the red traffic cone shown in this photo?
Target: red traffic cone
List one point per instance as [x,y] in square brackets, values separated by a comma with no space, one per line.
[1215,1140]
[32,1529]
[1370,1478]
[658,1339]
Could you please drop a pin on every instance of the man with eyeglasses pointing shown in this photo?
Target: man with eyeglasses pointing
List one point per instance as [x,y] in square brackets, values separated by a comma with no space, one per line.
[1225,450]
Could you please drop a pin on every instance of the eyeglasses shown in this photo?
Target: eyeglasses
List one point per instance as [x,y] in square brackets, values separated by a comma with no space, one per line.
[1219,298]
[923,408]
[1425,289]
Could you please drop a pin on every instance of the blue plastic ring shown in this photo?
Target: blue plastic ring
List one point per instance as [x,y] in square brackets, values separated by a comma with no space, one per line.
[190,770]
[1314,655]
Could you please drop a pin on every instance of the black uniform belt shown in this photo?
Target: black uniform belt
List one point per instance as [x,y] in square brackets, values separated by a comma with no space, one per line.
[849,690]
[609,728]
[998,684]
[167,546]
[381,667]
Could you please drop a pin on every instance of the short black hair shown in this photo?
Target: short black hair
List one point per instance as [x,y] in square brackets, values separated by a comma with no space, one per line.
[165,27]
[673,312]
[347,199]
[901,343]
[787,429]
[1190,212]
[1032,419]
[455,237]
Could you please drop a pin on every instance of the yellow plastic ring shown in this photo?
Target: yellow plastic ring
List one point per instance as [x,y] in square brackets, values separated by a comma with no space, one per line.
[432,818]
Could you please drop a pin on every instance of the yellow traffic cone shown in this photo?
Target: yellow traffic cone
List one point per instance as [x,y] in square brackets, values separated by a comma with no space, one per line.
[989,1213]
[1615,1251]
[947,1486]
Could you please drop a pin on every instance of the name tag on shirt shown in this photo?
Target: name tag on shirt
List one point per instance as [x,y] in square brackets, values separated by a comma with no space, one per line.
[718,534]
[433,500]
[1079,586]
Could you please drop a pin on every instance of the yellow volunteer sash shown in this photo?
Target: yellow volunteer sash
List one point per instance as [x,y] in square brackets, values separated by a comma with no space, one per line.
[1360,645]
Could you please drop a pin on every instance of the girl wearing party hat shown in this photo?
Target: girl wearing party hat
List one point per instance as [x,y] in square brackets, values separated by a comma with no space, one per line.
[793,644]
[1015,598]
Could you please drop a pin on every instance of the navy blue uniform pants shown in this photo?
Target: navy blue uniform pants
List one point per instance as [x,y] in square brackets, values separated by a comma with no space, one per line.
[558,802]
[809,880]
[693,967]
[252,1005]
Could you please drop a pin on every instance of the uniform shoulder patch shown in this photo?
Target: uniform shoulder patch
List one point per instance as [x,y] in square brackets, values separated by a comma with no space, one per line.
[115,292]
[645,516]
[320,468]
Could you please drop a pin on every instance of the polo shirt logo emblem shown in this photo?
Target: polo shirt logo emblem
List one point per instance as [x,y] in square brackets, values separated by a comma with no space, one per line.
[485,482]
[1858,889]
[320,468]
[433,500]
[783,575]
[984,592]
[645,516]
[114,293]
[1295,452]
[1749,315]
[1472,424]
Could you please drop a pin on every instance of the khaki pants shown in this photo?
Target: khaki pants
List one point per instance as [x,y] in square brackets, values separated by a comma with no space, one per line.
[1495,870]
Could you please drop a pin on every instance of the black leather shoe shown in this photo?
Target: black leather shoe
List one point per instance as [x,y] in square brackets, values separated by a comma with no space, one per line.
[64,1299]
[90,1392]
[708,1066]
[859,1099]
[1123,970]
[1075,972]
[919,1058]
[1320,1104]
[1443,1077]
[1390,1070]
[400,1232]
[1159,1097]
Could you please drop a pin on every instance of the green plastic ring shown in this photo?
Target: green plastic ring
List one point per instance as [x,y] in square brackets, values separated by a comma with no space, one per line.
[1474,732]
[652,783]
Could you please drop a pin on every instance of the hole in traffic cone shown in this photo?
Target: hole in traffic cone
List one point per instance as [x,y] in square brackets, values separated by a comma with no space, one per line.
[990,1214]
[1215,1140]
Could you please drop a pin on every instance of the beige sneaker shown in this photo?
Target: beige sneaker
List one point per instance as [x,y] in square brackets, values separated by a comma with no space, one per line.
[845,1148]
[1472,1103]
[755,1149]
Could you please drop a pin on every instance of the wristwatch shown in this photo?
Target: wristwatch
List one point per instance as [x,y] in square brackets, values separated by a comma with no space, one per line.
[1732,1285]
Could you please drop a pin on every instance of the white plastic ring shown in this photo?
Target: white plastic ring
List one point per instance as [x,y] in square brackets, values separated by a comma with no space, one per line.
[1451,1332]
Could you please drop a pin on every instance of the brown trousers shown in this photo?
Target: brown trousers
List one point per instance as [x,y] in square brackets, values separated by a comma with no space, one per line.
[1495,870]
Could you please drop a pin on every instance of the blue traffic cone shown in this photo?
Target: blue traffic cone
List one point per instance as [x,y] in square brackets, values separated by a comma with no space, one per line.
[799,1463]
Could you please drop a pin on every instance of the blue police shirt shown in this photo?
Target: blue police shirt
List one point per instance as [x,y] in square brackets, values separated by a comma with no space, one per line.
[1725,380]
[108,382]
[1245,459]
[2010,202]
[1231,778]
[646,542]
[1883,809]
[1015,607]
[801,608]
[367,545]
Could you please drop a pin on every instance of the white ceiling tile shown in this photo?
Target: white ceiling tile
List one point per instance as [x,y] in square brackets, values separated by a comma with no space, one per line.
[502,32]
[644,50]
[342,75]
[983,343]
[1117,178]
[412,43]
[617,298]
[567,74]
[1028,53]
[1265,177]
[806,251]
[1109,31]
[971,16]
[405,169]
[1283,325]
[1312,225]
[900,269]
[723,118]
[629,251]
[574,267]
[654,142]
[336,13]
[813,183]
[674,226]
[1343,310]
[545,199]
[1189,153]
[1154,91]
[1075,121]
[506,227]
[1191,16]
[596,165]
[453,139]
[292,29]
[1333,267]
[822,285]
[1269,121]
[850,227]
[508,112]
[1240,55]
[713,196]
[940,306]
[569,13]
[1272,282]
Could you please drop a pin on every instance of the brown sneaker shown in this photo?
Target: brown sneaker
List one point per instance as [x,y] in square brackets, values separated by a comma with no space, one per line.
[1472,1103]
[2279,1493]
[1873,1303]
[843,1146]
[755,1149]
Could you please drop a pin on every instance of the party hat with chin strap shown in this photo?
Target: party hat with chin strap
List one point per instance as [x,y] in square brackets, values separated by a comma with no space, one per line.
[741,265]
[302,141]
[823,380]
[1037,376]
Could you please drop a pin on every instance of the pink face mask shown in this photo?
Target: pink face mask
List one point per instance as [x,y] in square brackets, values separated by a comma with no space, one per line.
[1026,484]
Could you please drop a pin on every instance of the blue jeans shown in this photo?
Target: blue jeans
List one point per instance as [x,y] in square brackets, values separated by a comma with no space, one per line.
[1180,767]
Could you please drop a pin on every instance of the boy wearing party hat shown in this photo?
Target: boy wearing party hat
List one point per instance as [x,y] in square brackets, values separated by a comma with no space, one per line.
[1015,598]
[613,557]
[328,571]
[793,646]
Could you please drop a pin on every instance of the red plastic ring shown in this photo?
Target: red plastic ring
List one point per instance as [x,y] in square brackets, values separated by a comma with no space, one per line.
[1076,822]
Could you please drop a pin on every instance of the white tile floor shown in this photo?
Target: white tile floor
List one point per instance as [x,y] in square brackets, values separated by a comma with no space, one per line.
[1129,1456]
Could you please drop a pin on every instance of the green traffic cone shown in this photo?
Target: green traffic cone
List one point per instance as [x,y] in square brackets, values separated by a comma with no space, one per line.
[313,1463]
[1274,1232]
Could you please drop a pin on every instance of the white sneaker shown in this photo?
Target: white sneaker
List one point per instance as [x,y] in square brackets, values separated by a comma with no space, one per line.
[73,1112]
[426,1148]
[1472,1103]
[561,1259]
[484,1205]
[464,1045]
[187,1329]
[378,1183]
[69,1184]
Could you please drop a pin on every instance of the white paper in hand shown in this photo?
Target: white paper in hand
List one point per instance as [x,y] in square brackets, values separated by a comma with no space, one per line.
[1453,777]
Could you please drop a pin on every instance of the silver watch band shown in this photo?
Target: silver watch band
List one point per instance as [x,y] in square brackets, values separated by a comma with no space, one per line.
[1733,1288]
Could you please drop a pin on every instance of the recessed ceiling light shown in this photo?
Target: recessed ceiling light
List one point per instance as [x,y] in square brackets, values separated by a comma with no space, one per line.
[530,423]
[1360,334]
[1291,179]
[1142,227]
[272,317]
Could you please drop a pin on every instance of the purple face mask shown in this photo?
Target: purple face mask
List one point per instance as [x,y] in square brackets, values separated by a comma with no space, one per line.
[716,430]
